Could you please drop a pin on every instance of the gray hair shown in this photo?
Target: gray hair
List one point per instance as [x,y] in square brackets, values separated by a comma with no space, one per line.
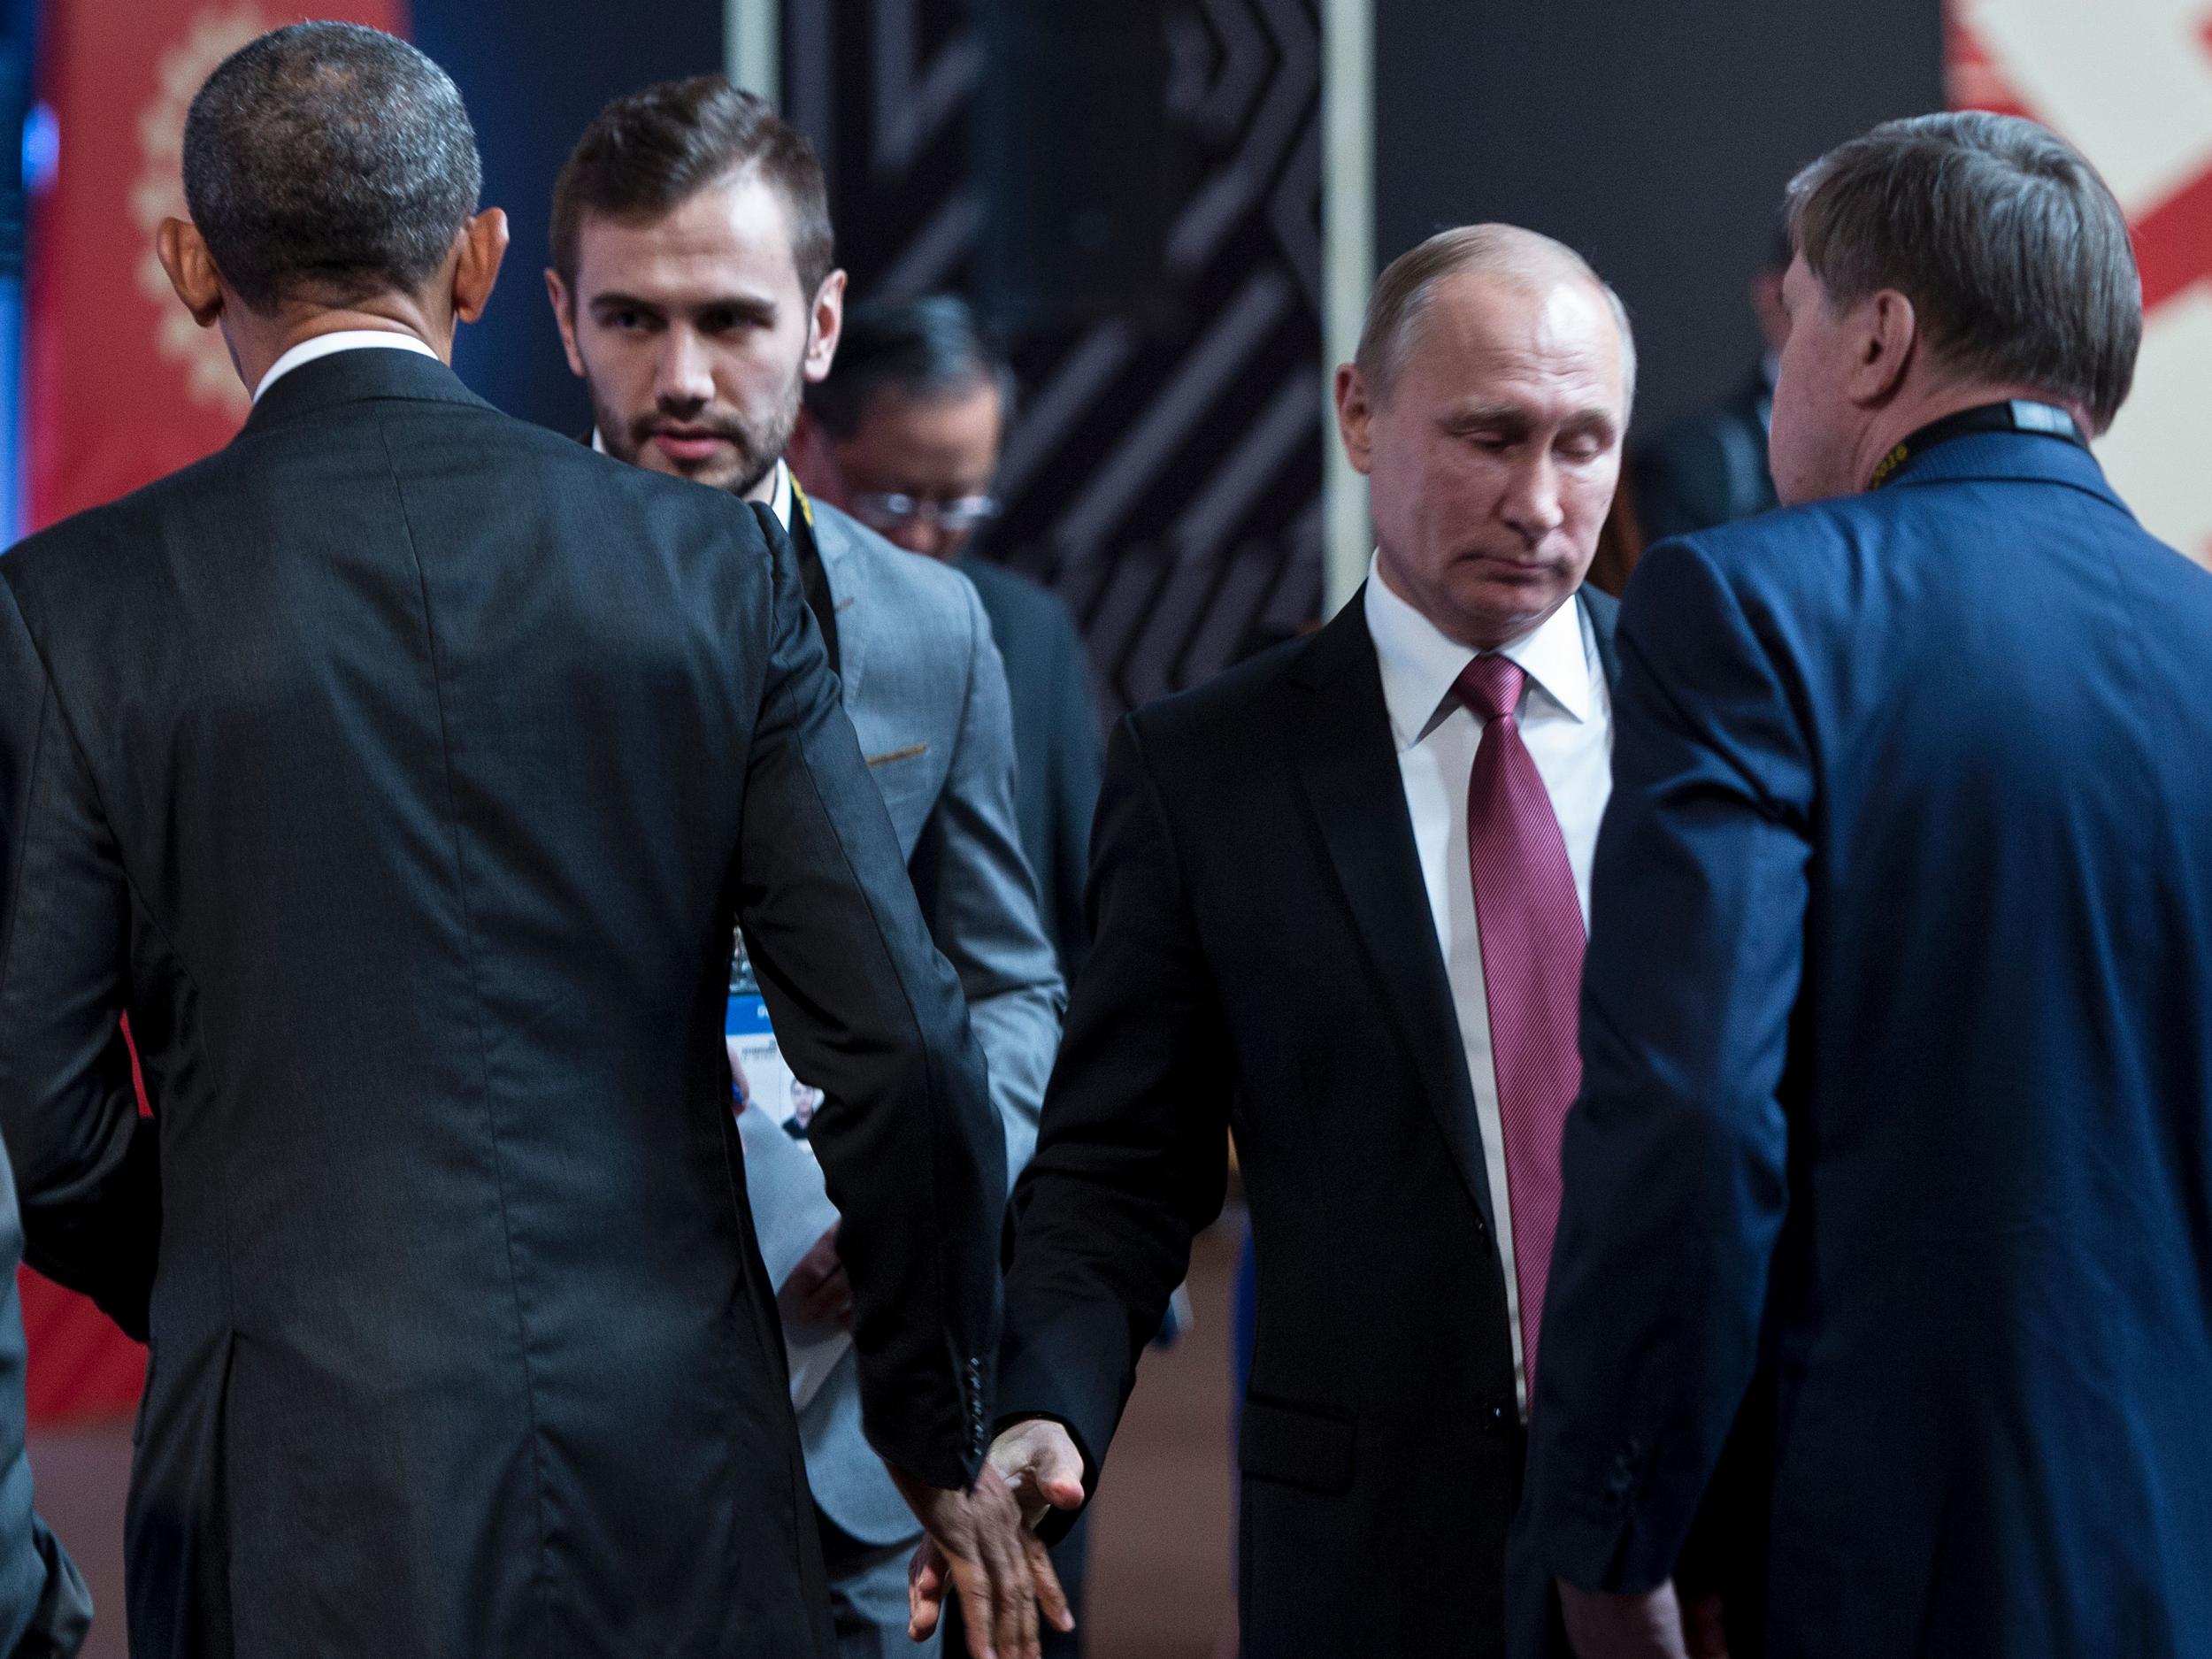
[2013,252]
[1403,291]
[328,161]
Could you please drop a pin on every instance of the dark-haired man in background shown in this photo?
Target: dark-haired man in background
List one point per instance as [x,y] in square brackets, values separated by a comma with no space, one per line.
[403,769]
[1914,1100]
[1710,467]
[697,292]
[904,432]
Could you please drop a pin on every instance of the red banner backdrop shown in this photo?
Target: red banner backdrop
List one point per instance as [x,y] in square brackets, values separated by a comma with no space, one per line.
[122,388]
[2129,82]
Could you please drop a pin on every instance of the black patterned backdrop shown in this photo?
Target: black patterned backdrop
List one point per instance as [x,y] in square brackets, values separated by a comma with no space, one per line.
[1164,470]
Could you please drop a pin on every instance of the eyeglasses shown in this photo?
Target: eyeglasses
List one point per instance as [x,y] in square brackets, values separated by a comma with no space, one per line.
[888,510]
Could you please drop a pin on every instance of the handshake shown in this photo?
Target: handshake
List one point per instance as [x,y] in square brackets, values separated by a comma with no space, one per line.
[982,1544]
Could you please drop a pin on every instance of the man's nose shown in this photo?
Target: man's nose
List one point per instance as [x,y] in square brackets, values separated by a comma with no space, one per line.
[1531,500]
[684,377]
[922,536]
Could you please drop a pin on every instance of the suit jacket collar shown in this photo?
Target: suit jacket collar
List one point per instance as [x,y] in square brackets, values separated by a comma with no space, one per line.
[2007,456]
[353,377]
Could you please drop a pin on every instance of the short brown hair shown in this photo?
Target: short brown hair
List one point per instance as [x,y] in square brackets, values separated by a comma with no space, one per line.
[649,152]
[2008,244]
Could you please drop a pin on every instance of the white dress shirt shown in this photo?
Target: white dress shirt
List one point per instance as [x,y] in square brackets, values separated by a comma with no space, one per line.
[1566,721]
[343,340]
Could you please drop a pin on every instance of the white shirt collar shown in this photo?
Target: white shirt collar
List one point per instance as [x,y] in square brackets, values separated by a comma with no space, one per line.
[1420,661]
[779,496]
[341,339]
[779,493]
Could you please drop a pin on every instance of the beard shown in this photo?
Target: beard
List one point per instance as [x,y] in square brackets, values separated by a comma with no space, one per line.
[754,446]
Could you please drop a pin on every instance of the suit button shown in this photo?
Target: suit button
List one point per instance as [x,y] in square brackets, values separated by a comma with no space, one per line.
[1496,1420]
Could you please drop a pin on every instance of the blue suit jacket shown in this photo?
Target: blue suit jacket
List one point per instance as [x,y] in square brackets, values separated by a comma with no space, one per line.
[1897,1047]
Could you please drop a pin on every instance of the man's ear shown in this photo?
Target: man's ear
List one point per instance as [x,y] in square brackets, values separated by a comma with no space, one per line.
[483,246]
[1887,336]
[191,269]
[565,318]
[1355,416]
[825,325]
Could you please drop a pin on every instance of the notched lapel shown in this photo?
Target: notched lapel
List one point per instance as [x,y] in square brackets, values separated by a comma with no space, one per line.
[1348,766]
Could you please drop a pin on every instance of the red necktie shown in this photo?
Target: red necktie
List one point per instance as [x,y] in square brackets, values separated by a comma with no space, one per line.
[1530,925]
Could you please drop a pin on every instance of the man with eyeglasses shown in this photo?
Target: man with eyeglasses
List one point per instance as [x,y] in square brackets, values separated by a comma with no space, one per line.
[904,432]
[697,291]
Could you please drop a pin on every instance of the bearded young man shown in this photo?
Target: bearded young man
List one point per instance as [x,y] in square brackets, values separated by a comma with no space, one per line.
[697,290]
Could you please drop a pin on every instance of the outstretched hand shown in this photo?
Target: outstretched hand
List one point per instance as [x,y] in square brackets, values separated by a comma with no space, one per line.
[1657,1624]
[1034,1467]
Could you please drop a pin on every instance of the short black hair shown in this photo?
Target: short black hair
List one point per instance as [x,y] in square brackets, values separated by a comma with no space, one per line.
[2007,242]
[331,162]
[923,348]
[649,152]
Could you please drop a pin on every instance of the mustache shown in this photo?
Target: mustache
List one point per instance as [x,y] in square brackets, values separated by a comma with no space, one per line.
[644,428]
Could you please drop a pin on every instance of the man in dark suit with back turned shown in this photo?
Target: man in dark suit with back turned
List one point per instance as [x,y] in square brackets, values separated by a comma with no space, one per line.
[403,769]
[1337,914]
[1913,1098]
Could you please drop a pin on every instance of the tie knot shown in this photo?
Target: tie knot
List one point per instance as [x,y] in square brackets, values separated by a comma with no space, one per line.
[1489,686]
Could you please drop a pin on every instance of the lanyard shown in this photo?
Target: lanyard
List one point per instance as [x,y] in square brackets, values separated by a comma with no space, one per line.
[2018,414]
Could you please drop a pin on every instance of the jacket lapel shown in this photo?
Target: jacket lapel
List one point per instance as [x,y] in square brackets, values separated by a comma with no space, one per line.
[1348,766]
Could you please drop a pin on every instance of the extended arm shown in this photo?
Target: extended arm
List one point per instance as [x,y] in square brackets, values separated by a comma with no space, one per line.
[868,1011]
[86,1164]
[1132,1157]
[1674,1156]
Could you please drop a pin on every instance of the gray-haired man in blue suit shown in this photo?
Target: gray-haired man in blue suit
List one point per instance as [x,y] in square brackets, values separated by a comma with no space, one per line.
[1892,1168]
[694,282]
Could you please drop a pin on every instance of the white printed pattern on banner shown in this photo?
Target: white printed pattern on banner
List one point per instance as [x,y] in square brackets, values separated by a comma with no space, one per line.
[2131,82]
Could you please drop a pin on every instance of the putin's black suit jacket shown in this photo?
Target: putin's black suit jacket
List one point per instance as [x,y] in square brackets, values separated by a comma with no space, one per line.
[402,768]
[1265,964]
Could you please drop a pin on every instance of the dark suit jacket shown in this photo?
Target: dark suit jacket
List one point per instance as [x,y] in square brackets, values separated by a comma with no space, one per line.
[1264,963]
[1897,1037]
[1056,740]
[403,768]
[1707,468]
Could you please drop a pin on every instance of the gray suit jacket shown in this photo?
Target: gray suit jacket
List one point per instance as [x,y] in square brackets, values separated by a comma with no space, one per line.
[925,691]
